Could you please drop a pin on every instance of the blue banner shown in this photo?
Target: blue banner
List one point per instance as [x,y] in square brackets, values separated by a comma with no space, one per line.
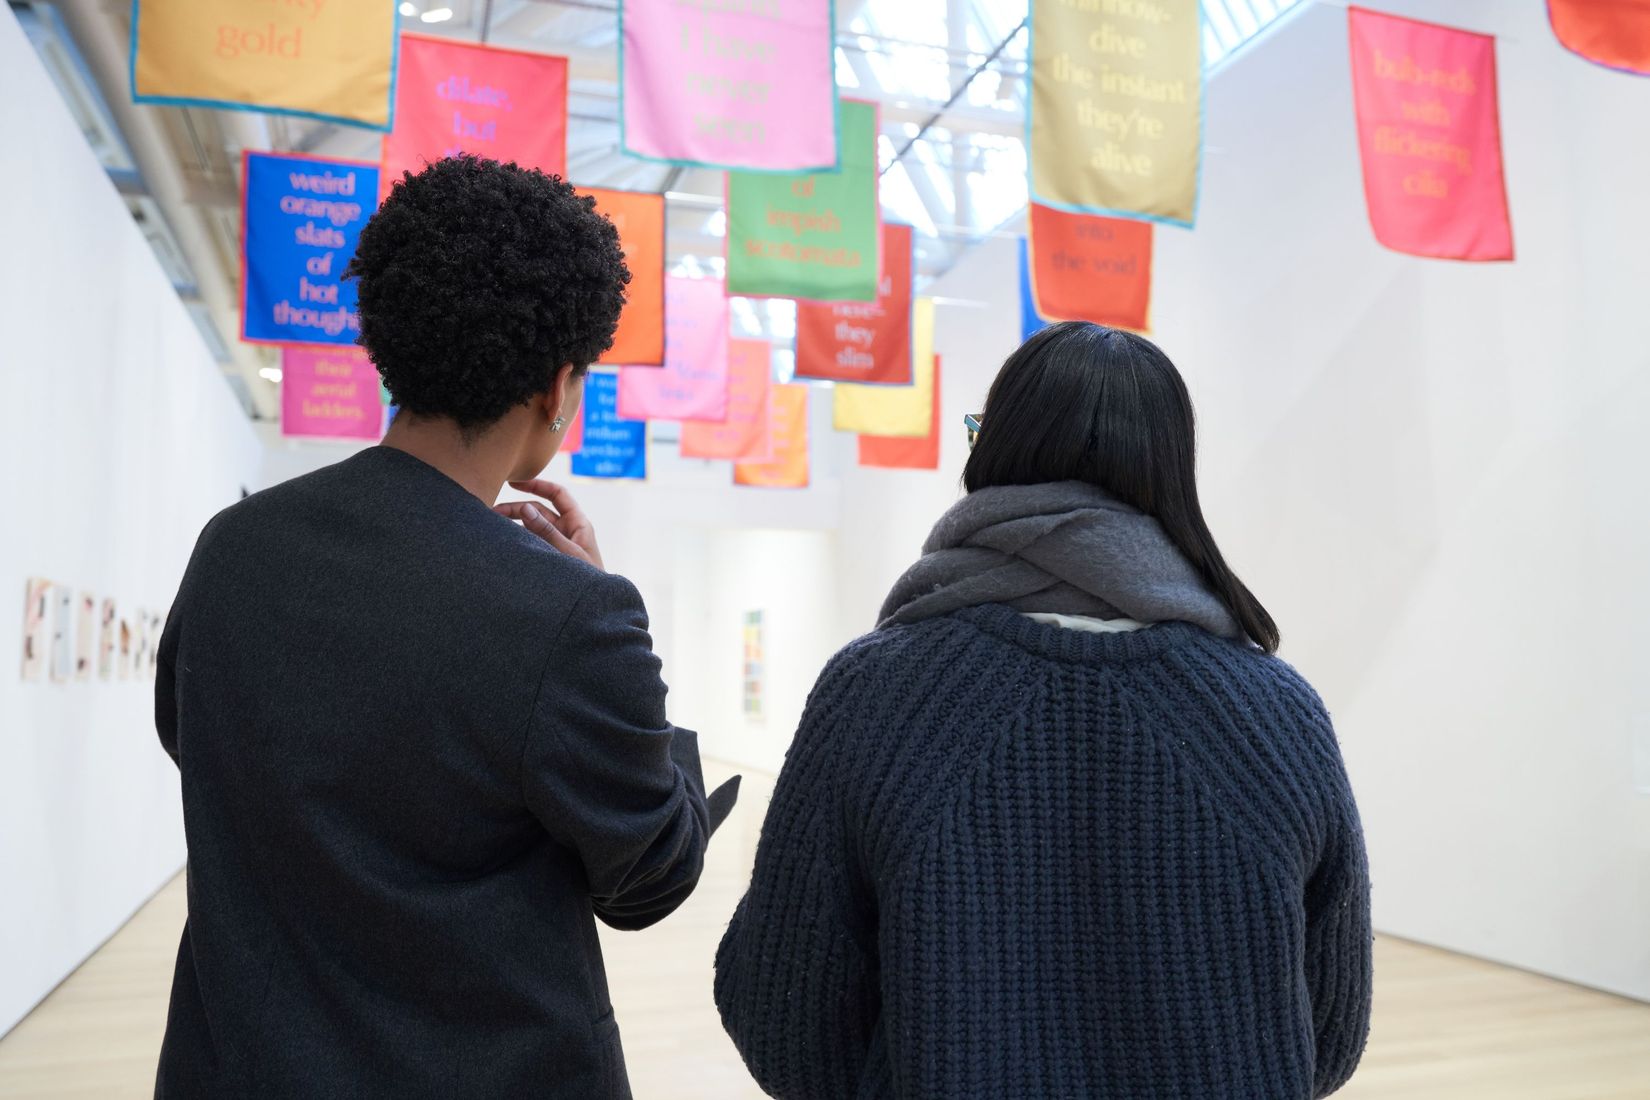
[612,447]
[1031,321]
[302,219]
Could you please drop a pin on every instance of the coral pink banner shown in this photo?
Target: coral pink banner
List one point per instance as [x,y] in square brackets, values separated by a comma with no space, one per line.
[330,392]
[753,86]
[458,97]
[744,436]
[1613,33]
[1429,130]
[693,383]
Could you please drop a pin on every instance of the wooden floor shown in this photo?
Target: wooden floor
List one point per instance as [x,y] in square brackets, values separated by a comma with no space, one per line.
[1446,1027]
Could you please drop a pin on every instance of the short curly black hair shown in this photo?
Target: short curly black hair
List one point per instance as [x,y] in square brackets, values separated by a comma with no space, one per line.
[478,281]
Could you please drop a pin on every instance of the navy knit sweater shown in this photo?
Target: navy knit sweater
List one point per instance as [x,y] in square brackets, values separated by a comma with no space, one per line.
[1006,859]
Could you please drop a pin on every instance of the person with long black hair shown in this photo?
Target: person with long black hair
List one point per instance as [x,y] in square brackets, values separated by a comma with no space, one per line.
[1063,825]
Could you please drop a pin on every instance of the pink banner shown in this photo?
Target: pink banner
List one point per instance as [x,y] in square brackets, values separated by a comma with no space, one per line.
[693,383]
[1429,132]
[461,97]
[331,392]
[752,86]
[744,436]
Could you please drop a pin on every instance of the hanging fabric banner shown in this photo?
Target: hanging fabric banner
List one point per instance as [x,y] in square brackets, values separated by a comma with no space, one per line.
[1031,322]
[693,384]
[813,235]
[787,466]
[1087,268]
[1429,133]
[1615,33]
[460,97]
[905,411]
[330,393]
[1115,115]
[333,62]
[729,85]
[907,453]
[743,437]
[863,341]
[613,447]
[639,216]
[300,220]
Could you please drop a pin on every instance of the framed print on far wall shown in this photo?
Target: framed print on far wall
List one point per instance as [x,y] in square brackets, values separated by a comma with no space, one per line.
[62,637]
[36,627]
[106,643]
[85,637]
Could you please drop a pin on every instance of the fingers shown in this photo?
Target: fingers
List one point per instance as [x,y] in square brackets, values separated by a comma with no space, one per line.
[532,516]
[556,494]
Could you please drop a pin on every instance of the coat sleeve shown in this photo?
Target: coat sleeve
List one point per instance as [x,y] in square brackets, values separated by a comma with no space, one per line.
[1339,944]
[604,772]
[795,981]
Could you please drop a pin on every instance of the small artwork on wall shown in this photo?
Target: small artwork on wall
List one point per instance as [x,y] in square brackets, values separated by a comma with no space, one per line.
[36,627]
[140,643]
[755,665]
[85,637]
[157,624]
[62,633]
[106,642]
[123,657]
[71,636]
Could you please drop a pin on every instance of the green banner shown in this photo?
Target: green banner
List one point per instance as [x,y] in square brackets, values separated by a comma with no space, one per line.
[810,235]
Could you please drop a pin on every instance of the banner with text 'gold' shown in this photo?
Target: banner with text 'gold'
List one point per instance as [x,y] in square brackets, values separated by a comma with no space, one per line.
[1115,115]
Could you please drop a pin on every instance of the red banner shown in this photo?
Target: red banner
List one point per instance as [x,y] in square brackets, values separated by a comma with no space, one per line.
[459,97]
[907,453]
[639,216]
[862,341]
[788,466]
[1089,268]
[1613,33]
[743,437]
[1429,132]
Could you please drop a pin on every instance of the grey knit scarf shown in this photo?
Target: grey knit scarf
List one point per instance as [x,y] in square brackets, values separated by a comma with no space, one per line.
[1066,547]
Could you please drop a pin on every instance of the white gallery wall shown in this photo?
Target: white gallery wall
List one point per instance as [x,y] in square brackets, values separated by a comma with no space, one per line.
[1431,472]
[120,439]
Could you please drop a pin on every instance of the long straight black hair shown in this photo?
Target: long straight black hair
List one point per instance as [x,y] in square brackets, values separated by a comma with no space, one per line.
[1082,402]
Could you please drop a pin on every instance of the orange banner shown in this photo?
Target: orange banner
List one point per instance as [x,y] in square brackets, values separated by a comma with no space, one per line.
[743,437]
[1612,33]
[907,453]
[863,341]
[1089,268]
[334,62]
[639,216]
[788,420]
[460,97]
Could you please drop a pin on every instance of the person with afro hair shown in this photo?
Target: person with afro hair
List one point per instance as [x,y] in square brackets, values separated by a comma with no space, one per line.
[421,734]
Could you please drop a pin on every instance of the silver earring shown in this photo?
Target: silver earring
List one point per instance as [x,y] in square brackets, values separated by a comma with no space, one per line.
[556,425]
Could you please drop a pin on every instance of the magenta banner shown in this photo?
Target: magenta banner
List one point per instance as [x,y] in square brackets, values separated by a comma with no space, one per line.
[330,392]
[729,85]
[693,383]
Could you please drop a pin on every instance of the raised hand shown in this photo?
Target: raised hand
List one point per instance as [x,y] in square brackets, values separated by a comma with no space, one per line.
[561,522]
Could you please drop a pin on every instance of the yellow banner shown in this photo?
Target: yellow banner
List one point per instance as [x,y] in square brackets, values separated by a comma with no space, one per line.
[327,59]
[1116,114]
[894,410]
